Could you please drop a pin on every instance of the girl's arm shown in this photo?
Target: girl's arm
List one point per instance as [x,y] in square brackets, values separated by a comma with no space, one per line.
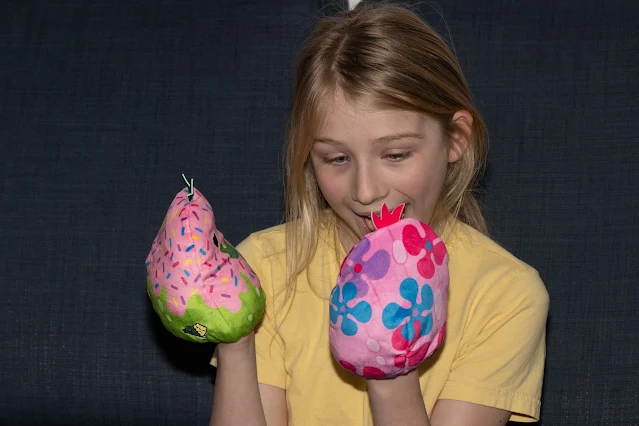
[399,401]
[238,399]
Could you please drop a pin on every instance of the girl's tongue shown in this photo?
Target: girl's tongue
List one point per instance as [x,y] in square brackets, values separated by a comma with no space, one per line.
[367,223]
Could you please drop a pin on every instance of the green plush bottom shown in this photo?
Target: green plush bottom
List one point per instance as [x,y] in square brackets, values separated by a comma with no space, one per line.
[201,323]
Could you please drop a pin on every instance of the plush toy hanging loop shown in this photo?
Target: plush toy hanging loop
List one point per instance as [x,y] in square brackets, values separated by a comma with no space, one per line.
[189,186]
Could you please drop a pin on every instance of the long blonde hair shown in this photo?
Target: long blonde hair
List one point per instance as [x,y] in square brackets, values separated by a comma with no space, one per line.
[388,55]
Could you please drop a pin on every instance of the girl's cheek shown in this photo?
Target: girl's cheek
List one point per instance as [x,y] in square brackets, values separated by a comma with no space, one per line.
[330,187]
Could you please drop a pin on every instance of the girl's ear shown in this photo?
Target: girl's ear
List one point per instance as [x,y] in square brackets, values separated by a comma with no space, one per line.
[460,136]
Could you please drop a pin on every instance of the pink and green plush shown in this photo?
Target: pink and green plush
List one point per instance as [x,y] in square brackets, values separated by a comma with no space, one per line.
[200,286]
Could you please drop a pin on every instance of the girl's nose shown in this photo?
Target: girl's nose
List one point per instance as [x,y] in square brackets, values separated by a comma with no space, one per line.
[368,186]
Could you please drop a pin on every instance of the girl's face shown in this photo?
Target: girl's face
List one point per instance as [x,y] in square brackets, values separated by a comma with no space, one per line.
[365,157]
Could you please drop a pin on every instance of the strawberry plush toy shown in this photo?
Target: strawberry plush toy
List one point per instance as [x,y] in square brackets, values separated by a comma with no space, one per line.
[200,286]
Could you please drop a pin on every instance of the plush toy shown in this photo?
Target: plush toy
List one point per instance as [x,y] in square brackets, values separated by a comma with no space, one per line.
[200,286]
[388,309]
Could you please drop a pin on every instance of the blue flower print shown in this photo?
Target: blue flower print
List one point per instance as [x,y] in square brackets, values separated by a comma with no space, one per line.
[362,312]
[375,268]
[394,315]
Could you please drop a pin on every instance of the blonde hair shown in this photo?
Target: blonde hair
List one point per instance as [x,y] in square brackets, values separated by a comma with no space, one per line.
[388,55]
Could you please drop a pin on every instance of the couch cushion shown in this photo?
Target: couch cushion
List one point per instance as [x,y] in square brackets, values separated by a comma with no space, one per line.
[104,106]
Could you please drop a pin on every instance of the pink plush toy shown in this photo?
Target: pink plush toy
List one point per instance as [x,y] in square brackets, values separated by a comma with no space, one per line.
[200,286]
[388,310]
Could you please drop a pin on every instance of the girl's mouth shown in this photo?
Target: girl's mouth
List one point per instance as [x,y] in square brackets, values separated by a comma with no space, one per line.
[367,224]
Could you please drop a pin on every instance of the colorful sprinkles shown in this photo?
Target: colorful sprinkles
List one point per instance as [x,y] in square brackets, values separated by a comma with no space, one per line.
[192,266]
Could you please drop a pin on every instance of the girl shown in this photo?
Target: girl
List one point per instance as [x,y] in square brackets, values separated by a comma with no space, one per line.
[383,114]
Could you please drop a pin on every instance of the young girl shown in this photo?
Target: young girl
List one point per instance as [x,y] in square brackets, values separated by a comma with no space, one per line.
[383,114]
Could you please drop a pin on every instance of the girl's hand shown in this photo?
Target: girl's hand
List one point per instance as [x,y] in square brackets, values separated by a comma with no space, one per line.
[243,345]
[396,386]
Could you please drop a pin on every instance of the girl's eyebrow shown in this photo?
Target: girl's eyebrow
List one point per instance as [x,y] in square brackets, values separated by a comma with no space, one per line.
[379,141]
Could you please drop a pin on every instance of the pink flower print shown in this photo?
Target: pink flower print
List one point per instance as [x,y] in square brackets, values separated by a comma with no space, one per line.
[434,246]
[354,267]
[414,357]
[347,365]
[373,373]
[367,372]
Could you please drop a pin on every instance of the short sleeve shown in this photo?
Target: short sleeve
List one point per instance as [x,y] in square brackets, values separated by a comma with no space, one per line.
[268,345]
[500,362]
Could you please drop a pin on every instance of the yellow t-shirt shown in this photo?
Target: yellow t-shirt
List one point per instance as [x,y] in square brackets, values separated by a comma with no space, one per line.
[493,353]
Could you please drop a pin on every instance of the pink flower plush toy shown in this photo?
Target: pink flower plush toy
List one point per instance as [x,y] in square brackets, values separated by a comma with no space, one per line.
[200,286]
[388,309]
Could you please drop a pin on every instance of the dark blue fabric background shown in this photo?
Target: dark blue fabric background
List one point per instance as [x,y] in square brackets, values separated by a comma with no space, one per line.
[104,104]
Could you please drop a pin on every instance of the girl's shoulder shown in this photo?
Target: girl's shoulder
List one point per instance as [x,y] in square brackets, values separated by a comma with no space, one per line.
[488,268]
[463,239]
[266,242]
[271,242]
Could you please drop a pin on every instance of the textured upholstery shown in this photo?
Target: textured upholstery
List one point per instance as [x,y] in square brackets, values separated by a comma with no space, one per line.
[103,105]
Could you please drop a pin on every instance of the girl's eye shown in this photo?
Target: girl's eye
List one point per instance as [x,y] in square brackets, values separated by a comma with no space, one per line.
[399,156]
[336,160]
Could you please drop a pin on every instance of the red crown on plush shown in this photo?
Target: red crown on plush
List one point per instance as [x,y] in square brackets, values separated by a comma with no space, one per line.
[386,217]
